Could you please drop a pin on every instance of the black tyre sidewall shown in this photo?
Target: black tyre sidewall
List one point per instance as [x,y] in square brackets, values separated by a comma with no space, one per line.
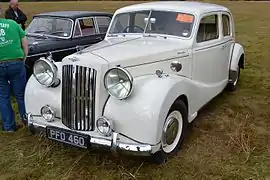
[180,106]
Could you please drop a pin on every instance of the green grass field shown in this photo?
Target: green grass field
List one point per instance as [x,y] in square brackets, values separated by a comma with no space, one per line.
[229,140]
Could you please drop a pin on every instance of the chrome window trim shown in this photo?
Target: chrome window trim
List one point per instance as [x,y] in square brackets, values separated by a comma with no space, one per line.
[230,23]
[96,25]
[211,41]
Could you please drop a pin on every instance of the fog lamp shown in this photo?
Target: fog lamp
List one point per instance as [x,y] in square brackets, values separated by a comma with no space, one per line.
[104,126]
[47,113]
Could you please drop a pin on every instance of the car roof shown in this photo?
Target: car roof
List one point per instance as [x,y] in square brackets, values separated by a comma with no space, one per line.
[74,14]
[183,6]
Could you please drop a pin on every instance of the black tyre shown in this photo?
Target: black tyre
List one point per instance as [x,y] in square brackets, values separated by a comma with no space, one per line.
[173,132]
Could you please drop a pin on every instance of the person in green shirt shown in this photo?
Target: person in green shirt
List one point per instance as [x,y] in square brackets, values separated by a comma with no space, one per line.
[13,52]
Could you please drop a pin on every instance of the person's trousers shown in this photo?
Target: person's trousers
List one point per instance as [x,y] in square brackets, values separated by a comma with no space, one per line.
[12,80]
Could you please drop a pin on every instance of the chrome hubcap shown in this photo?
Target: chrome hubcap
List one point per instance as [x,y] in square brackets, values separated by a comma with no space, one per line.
[172,131]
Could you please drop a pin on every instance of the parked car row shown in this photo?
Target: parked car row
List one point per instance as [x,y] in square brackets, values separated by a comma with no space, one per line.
[137,90]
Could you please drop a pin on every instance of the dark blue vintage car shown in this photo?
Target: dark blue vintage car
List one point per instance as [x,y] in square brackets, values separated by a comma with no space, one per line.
[61,33]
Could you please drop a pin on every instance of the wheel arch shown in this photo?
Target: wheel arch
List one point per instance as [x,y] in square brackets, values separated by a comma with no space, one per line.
[184,98]
[238,57]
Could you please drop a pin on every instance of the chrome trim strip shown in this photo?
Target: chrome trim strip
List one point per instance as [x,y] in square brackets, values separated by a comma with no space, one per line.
[163,60]
[96,25]
[73,94]
[215,45]
[86,107]
[93,97]
[102,142]
[78,95]
[103,109]
[55,51]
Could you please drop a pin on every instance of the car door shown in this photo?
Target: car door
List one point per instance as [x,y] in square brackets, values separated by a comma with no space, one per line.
[228,41]
[208,57]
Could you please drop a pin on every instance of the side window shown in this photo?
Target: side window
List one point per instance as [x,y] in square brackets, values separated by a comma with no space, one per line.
[85,27]
[208,28]
[103,24]
[226,25]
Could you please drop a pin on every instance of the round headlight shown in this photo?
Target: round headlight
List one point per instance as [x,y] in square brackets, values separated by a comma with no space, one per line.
[104,126]
[45,71]
[118,82]
[47,113]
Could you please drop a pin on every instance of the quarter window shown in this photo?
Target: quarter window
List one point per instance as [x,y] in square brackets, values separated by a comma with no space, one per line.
[208,29]
[103,24]
[85,27]
[226,25]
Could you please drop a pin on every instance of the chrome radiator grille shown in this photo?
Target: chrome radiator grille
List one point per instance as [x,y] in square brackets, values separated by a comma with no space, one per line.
[78,97]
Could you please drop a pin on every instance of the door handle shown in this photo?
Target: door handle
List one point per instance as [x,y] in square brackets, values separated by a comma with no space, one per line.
[224,46]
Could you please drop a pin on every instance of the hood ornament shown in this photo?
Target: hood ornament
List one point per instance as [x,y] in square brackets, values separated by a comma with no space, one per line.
[73,59]
[160,73]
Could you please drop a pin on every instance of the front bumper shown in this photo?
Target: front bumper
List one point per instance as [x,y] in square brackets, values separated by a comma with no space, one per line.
[113,143]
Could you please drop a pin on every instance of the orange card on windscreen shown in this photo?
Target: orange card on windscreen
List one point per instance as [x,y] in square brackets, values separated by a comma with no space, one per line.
[184,18]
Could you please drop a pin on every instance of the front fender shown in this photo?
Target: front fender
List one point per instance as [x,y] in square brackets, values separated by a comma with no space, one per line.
[36,95]
[238,51]
[141,116]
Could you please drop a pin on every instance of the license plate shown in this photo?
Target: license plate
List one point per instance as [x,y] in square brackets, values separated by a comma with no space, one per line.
[68,137]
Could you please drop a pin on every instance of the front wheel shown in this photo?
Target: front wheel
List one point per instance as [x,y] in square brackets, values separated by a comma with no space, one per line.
[173,132]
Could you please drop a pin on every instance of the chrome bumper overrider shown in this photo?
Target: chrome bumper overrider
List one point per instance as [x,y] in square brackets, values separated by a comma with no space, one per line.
[113,143]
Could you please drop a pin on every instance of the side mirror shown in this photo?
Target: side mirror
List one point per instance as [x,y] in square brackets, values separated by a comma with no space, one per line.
[152,20]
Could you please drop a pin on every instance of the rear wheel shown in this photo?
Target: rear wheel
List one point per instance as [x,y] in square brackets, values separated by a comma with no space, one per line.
[173,132]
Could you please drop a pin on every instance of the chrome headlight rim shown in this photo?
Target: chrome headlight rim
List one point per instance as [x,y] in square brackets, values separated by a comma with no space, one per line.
[130,78]
[53,68]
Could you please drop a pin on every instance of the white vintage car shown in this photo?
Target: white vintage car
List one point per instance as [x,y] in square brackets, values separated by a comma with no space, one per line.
[138,89]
